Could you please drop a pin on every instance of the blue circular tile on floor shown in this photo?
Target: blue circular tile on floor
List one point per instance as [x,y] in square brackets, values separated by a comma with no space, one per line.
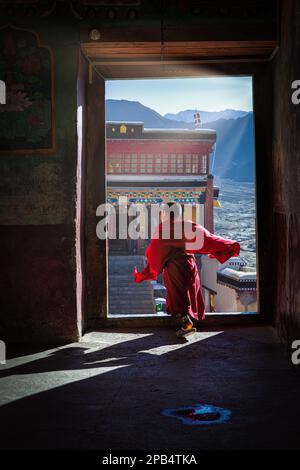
[199,414]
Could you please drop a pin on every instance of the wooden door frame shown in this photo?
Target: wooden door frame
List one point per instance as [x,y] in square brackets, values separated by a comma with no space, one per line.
[103,65]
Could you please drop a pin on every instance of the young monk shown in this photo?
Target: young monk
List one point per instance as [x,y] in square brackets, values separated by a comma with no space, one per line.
[171,251]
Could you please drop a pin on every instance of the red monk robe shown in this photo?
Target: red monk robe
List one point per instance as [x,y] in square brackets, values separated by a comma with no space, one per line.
[174,257]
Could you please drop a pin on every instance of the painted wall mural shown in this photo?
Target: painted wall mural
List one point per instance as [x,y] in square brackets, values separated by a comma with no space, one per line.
[27,120]
[157,196]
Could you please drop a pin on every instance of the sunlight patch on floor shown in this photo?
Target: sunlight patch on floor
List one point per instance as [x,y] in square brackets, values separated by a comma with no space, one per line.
[17,387]
[195,338]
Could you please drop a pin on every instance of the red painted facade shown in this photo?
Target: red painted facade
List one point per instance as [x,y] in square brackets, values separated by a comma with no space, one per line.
[209,207]
[166,157]
[158,146]
[157,156]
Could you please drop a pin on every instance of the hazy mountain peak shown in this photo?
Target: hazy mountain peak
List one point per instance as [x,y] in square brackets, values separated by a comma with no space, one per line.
[206,116]
[124,110]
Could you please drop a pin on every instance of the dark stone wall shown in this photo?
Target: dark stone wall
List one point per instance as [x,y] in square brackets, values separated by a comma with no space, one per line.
[37,212]
[38,192]
[286,177]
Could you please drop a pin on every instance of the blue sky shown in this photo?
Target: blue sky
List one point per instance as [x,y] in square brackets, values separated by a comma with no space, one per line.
[178,94]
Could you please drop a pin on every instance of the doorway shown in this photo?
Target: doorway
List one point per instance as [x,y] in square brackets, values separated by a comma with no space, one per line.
[190,141]
[124,70]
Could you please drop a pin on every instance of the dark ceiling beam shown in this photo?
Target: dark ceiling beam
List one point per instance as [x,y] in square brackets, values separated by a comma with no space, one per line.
[111,52]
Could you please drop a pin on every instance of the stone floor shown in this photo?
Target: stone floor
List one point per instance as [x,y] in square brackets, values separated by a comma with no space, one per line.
[108,391]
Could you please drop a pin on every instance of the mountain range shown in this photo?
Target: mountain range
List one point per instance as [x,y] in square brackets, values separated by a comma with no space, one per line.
[124,110]
[234,151]
[206,116]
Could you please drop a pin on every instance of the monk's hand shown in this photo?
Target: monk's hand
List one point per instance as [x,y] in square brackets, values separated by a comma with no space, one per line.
[136,275]
[145,275]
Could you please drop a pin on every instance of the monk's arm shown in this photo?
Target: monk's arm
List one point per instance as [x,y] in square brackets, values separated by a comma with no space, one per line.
[146,275]
[154,265]
[213,245]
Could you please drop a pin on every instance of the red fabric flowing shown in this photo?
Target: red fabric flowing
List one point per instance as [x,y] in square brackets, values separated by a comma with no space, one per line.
[173,254]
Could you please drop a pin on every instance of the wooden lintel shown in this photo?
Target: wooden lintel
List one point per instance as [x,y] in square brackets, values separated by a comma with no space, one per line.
[178,50]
